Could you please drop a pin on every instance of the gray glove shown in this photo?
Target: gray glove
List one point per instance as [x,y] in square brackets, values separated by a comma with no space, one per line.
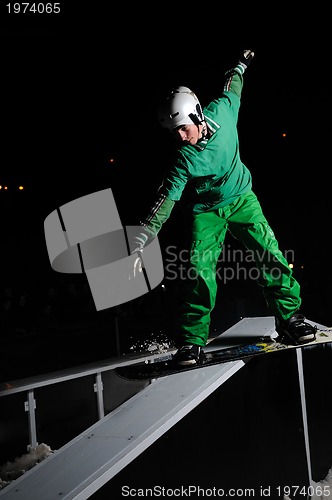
[137,246]
[138,242]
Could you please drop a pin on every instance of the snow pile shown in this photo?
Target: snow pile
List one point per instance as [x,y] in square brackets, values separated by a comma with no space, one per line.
[323,489]
[12,470]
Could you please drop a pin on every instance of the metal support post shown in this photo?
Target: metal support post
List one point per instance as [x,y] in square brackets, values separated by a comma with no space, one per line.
[98,388]
[30,406]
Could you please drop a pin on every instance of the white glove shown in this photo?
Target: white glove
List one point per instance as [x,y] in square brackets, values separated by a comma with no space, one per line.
[246,58]
[138,243]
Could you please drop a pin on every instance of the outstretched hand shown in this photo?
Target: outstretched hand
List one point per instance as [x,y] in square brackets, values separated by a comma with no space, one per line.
[247,57]
[136,266]
[137,243]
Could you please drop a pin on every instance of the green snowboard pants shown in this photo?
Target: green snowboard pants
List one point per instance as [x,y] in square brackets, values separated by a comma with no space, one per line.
[244,219]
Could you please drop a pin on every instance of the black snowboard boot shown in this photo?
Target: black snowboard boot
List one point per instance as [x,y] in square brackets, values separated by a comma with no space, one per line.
[189,354]
[295,330]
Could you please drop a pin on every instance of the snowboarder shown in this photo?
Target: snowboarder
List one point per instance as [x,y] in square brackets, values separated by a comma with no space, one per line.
[209,166]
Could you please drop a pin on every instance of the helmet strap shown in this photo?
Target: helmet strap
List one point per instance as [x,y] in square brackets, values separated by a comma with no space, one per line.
[194,119]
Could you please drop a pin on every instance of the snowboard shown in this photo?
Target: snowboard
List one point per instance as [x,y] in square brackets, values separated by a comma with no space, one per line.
[165,365]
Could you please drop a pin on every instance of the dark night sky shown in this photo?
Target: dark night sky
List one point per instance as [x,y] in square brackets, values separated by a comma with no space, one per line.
[78,91]
[83,88]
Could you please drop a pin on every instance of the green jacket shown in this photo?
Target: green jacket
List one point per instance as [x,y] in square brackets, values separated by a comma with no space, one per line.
[211,171]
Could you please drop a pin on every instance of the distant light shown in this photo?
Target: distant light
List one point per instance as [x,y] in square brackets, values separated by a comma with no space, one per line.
[6,188]
[291,266]
[3,187]
[284,134]
[111,161]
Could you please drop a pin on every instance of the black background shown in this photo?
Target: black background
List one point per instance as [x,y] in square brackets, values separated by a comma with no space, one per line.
[81,88]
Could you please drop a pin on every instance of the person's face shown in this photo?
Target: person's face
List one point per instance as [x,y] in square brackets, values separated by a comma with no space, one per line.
[188,134]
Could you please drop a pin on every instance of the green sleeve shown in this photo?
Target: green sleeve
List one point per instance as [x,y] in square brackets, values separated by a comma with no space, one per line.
[151,226]
[234,82]
[158,215]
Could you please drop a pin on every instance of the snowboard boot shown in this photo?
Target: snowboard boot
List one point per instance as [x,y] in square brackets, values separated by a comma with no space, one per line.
[295,330]
[189,354]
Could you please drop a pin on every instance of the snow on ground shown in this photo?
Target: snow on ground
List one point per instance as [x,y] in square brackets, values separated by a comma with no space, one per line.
[321,490]
[12,470]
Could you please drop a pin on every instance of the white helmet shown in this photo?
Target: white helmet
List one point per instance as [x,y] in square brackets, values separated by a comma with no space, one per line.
[181,107]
